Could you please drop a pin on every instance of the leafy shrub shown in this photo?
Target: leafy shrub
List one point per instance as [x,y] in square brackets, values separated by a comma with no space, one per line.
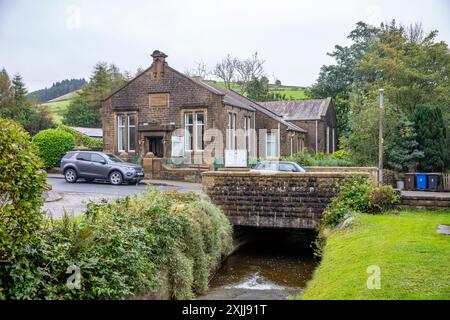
[22,182]
[319,156]
[357,194]
[340,155]
[122,247]
[383,198]
[52,144]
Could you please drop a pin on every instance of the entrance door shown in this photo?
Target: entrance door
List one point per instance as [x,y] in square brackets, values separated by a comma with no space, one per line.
[156,146]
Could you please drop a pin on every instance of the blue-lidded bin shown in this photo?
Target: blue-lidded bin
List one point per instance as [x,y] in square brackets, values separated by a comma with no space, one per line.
[421,179]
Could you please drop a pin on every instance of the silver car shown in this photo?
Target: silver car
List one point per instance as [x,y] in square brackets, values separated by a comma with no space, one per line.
[91,165]
[275,166]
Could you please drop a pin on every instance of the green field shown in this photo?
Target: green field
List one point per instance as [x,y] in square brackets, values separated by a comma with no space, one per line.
[291,92]
[58,106]
[413,258]
[56,109]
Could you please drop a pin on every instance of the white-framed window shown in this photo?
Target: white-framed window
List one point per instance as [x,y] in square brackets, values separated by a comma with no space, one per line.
[271,145]
[199,130]
[194,126]
[121,121]
[189,131]
[131,134]
[247,126]
[231,131]
[126,133]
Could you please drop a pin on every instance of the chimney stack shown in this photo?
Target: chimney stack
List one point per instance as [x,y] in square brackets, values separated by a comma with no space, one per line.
[159,61]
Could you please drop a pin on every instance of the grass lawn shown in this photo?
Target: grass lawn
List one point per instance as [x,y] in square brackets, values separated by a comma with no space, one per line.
[413,258]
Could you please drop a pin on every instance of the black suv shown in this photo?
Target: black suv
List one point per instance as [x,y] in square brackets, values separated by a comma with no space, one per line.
[92,165]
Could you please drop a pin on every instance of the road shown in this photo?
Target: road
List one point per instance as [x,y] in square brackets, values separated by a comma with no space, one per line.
[76,195]
[60,185]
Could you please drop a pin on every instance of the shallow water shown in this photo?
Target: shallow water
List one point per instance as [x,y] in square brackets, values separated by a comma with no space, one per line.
[271,266]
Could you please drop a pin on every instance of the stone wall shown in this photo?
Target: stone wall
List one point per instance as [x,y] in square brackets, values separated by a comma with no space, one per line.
[371,171]
[155,169]
[275,200]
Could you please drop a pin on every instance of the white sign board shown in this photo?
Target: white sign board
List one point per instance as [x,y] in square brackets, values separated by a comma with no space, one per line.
[177,146]
[236,158]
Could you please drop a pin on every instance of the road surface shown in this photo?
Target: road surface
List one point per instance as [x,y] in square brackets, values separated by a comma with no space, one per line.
[76,195]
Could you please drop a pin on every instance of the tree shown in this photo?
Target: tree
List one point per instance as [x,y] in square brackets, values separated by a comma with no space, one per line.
[15,105]
[226,70]
[403,150]
[85,110]
[258,89]
[431,136]
[6,92]
[248,70]
[278,83]
[338,80]
[201,70]
[56,90]
[80,114]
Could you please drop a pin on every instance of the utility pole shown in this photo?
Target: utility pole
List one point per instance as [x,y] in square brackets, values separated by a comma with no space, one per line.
[380,140]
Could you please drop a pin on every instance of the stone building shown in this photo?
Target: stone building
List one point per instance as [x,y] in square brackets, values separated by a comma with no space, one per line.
[317,117]
[169,114]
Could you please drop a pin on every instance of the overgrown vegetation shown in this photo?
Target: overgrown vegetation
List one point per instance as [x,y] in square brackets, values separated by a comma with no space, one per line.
[22,182]
[123,247]
[304,158]
[358,195]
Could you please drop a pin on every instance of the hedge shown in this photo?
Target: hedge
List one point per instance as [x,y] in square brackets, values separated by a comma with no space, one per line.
[52,144]
[22,182]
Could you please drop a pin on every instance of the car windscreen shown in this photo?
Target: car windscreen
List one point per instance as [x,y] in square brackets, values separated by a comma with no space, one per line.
[113,157]
[266,166]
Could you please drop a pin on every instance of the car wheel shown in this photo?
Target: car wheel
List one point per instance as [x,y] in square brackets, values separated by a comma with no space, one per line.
[115,178]
[71,175]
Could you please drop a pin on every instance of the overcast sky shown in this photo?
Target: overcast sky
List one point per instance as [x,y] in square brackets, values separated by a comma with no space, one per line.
[48,41]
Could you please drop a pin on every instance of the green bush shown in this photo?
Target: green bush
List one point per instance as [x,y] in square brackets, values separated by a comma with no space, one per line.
[52,144]
[122,247]
[22,182]
[341,155]
[357,194]
[319,156]
[383,198]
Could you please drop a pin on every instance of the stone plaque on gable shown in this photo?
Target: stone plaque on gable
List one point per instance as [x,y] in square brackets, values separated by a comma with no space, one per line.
[158,100]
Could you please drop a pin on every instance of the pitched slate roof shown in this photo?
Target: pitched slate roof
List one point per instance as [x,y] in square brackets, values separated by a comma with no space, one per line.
[237,100]
[299,109]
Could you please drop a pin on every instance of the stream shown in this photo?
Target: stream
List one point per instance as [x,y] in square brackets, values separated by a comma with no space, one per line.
[272,265]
